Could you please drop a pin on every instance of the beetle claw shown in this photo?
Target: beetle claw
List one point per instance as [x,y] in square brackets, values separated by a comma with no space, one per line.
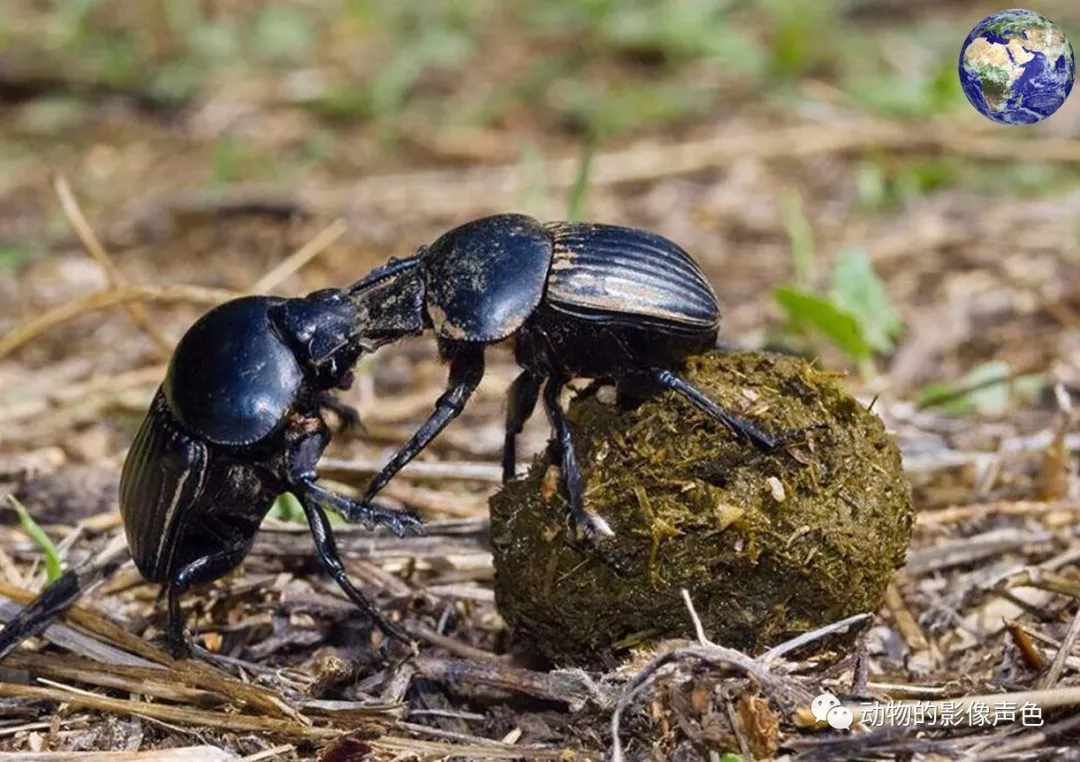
[400,523]
[789,436]
[593,535]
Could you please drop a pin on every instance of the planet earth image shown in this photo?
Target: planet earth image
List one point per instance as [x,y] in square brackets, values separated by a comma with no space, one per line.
[1017,67]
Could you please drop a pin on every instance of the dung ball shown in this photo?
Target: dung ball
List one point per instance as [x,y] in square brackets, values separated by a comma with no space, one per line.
[769,544]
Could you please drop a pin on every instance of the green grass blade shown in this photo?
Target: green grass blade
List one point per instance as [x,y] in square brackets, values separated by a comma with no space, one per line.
[580,190]
[37,534]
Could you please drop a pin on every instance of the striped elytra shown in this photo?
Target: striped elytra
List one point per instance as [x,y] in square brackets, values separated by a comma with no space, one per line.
[163,475]
[623,275]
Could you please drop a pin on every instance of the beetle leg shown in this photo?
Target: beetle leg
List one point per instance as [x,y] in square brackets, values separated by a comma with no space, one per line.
[586,524]
[301,457]
[201,569]
[739,426]
[398,522]
[520,404]
[350,416]
[466,370]
[326,549]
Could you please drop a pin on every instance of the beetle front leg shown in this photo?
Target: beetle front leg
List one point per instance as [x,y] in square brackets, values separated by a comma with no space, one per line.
[301,458]
[326,549]
[466,370]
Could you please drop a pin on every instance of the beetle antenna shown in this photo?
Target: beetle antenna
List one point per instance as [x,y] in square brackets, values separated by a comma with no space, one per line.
[389,270]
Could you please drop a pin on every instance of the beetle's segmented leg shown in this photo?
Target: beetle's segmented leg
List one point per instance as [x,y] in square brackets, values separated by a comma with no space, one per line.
[521,401]
[175,640]
[200,570]
[350,416]
[739,426]
[466,371]
[326,549]
[398,522]
[586,525]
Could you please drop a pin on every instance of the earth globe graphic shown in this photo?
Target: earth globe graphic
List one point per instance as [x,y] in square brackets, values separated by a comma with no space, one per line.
[1017,67]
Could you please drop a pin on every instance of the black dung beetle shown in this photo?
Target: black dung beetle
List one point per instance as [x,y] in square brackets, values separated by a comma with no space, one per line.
[237,422]
[580,300]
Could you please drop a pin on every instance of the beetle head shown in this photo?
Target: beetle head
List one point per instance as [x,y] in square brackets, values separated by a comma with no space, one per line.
[389,303]
[320,330]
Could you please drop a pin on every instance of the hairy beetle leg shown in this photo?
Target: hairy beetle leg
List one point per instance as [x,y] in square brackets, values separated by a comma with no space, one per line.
[739,426]
[588,529]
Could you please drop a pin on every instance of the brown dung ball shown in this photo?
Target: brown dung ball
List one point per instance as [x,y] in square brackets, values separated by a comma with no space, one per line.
[768,545]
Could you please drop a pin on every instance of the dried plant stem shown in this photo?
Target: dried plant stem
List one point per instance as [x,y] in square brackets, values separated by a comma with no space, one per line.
[108,298]
[183,715]
[322,241]
[1058,665]
[90,242]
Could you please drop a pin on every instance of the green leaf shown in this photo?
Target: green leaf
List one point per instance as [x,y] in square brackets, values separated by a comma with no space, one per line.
[806,310]
[988,389]
[857,289]
[13,256]
[37,534]
[287,508]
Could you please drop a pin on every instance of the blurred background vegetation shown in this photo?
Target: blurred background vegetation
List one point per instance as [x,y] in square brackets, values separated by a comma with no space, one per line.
[142,101]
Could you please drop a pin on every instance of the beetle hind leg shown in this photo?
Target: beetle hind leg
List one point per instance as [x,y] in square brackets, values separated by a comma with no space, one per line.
[200,570]
[740,427]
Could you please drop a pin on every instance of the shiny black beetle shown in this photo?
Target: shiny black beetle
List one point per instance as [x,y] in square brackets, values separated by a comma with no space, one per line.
[581,300]
[236,422]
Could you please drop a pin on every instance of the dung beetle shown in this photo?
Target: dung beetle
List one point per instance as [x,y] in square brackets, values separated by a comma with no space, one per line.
[237,422]
[611,303]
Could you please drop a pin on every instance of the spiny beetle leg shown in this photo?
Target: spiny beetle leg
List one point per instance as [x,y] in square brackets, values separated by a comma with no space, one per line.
[590,532]
[326,549]
[302,456]
[789,436]
[398,522]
